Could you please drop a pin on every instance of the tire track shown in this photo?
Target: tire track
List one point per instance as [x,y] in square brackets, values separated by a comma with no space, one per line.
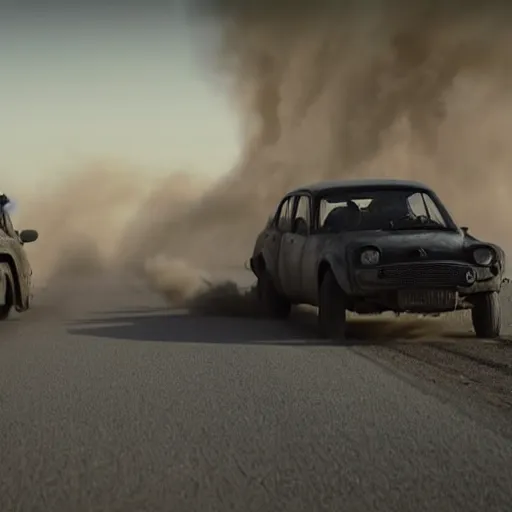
[484,369]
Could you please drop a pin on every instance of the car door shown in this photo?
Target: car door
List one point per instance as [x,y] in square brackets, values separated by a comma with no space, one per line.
[284,225]
[272,239]
[20,257]
[312,253]
[292,246]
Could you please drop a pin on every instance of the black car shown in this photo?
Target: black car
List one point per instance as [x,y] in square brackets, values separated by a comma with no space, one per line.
[372,246]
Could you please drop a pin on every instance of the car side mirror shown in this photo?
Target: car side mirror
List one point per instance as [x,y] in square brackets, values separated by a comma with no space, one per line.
[28,236]
[464,229]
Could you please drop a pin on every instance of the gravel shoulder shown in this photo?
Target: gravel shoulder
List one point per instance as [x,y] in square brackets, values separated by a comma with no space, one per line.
[443,351]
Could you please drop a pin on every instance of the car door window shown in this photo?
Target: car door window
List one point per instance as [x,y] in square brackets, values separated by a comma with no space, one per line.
[417,205]
[433,211]
[421,204]
[302,218]
[284,219]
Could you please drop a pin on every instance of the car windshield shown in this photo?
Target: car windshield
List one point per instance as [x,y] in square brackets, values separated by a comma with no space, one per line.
[389,209]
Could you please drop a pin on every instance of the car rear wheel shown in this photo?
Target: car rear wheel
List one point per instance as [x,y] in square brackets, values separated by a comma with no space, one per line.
[273,303]
[486,315]
[332,312]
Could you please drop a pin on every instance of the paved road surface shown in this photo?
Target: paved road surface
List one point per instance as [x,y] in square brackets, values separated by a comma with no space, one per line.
[110,403]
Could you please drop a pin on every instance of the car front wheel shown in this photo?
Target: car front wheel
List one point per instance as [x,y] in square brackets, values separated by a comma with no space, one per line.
[6,308]
[273,303]
[332,312]
[486,315]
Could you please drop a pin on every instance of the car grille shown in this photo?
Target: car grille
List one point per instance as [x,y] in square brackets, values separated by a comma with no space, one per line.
[425,274]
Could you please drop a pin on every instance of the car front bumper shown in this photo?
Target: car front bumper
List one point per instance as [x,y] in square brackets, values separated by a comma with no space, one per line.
[384,283]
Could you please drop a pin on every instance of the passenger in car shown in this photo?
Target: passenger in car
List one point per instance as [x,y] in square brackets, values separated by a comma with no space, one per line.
[343,218]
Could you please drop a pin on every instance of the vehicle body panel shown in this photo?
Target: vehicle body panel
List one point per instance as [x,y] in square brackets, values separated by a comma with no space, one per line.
[290,264]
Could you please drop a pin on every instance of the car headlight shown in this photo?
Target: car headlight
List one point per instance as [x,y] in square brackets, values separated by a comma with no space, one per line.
[483,256]
[370,257]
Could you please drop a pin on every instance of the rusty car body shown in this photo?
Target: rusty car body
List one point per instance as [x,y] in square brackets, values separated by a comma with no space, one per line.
[15,268]
[371,246]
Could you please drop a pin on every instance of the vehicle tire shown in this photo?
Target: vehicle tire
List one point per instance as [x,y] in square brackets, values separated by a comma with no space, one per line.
[273,303]
[332,312]
[486,315]
[5,309]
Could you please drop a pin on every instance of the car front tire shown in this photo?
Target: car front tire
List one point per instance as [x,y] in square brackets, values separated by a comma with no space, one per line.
[486,315]
[273,303]
[332,311]
[5,309]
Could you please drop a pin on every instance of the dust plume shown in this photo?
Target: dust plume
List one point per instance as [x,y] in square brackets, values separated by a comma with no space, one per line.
[409,90]
[383,89]
[386,88]
[78,219]
[401,89]
[100,217]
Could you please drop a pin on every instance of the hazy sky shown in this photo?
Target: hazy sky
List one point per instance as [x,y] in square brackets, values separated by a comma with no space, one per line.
[135,87]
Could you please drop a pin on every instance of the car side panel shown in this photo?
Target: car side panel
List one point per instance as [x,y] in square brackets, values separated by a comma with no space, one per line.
[271,246]
[3,287]
[13,244]
[323,248]
[25,272]
[8,247]
[313,250]
[290,258]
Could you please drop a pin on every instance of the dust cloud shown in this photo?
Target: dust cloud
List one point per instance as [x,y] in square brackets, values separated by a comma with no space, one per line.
[331,90]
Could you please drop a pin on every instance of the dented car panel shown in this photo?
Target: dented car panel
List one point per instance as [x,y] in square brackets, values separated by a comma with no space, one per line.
[15,268]
[427,253]
[16,265]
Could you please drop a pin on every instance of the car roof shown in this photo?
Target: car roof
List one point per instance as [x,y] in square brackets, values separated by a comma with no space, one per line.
[323,186]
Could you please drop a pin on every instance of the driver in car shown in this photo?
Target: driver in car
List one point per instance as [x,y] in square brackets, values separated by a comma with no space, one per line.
[391,213]
[343,218]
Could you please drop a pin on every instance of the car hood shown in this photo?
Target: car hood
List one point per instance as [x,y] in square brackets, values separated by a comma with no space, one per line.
[399,246]
[450,240]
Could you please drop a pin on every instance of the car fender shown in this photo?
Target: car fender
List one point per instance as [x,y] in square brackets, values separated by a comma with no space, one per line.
[338,268]
[3,286]
[6,280]
[9,273]
[261,262]
[265,257]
